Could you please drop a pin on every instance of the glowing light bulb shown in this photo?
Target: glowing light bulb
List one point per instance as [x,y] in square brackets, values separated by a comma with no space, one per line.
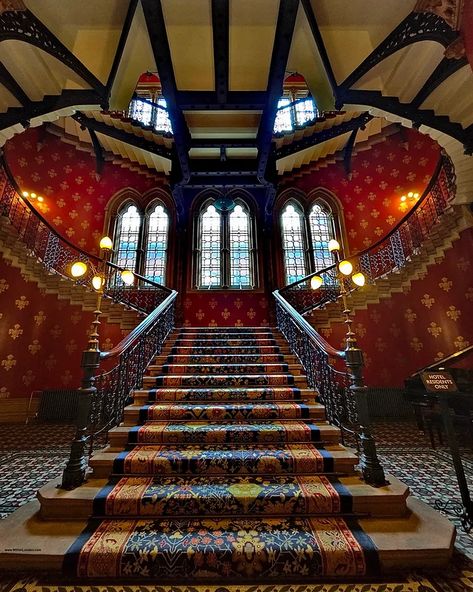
[78,269]
[127,277]
[106,243]
[315,282]
[410,194]
[358,279]
[345,267]
[25,194]
[40,198]
[416,196]
[97,282]
[33,195]
[403,198]
[333,245]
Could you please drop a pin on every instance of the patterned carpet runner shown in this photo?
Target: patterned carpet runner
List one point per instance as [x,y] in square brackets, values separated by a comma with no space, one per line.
[227,473]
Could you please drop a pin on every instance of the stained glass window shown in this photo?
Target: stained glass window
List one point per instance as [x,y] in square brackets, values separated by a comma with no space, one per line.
[292,113]
[141,242]
[292,225]
[210,245]
[162,123]
[225,248]
[156,245]
[240,264]
[321,231]
[128,237]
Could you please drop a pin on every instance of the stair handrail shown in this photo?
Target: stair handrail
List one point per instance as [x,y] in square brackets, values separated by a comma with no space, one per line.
[389,253]
[104,394]
[57,253]
[454,357]
[341,388]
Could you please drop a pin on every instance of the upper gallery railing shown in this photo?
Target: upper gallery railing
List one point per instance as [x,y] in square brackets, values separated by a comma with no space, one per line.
[388,254]
[338,374]
[57,254]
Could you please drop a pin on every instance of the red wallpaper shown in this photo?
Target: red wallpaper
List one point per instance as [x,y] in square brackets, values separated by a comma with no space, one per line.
[75,199]
[430,320]
[41,337]
[380,175]
[232,309]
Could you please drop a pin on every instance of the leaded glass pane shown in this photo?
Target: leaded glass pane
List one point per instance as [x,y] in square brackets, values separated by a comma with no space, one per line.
[304,110]
[240,264]
[156,247]
[321,231]
[141,111]
[163,123]
[293,244]
[127,238]
[210,245]
[283,121]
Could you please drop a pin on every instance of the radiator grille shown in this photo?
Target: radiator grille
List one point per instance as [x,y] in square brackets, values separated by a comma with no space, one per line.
[388,403]
[58,405]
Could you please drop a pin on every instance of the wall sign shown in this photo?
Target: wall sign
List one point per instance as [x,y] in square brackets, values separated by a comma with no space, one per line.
[435,382]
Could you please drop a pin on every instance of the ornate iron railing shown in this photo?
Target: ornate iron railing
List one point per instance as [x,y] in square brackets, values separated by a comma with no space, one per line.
[104,396]
[391,252]
[57,254]
[338,374]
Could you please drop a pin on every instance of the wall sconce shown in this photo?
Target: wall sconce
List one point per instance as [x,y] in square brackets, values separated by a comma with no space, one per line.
[32,196]
[411,196]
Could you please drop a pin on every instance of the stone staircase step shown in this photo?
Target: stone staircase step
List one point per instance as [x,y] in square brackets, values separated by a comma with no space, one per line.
[227,350]
[222,380]
[211,369]
[222,412]
[224,459]
[423,538]
[223,359]
[250,433]
[229,395]
[216,342]
[191,496]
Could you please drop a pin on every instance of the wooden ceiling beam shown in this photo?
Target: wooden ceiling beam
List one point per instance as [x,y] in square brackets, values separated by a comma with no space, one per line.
[13,87]
[121,45]
[220,30]
[156,25]
[444,70]
[282,44]
[208,100]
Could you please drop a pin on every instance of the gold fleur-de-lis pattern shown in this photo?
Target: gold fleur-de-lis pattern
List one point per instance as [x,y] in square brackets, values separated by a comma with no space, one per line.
[416,327]
[380,176]
[43,338]
[74,195]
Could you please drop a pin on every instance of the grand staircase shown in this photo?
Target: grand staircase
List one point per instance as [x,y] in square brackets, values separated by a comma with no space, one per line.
[224,467]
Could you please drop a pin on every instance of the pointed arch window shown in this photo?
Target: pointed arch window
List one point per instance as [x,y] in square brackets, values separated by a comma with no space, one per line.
[225,249]
[141,240]
[305,237]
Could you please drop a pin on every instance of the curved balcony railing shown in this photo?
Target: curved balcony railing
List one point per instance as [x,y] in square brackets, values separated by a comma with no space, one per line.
[391,252]
[57,253]
[338,374]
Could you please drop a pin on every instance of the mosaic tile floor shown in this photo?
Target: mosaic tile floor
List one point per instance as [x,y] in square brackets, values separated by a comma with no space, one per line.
[405,452]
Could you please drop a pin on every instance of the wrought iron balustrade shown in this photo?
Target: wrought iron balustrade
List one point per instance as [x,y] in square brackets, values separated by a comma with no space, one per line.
[337,375]
[391,252]
[57,254]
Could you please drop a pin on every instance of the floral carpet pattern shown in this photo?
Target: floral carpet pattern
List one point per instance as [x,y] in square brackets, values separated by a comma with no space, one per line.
[224,505]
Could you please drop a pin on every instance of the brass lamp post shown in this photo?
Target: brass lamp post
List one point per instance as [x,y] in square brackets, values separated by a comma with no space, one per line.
[370,466]
[75,471]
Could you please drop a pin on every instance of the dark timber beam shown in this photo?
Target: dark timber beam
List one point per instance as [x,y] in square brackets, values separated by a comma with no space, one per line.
[12,85]
[220,29]
[444,70]
[348,152]
[122,136]
[282,44]
[50,103]
[154,17]
[99,155]
[324,135]
[418,117]
[227,142]
[23,25]
[230,166]
[314,27]
[194,100]
[121,45]
[417,26]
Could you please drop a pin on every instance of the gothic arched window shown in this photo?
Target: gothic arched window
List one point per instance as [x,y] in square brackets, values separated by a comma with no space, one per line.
[141,240]
[225,250]
[305,237]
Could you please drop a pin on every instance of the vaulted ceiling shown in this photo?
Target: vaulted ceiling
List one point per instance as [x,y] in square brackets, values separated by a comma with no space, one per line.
[222,64]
